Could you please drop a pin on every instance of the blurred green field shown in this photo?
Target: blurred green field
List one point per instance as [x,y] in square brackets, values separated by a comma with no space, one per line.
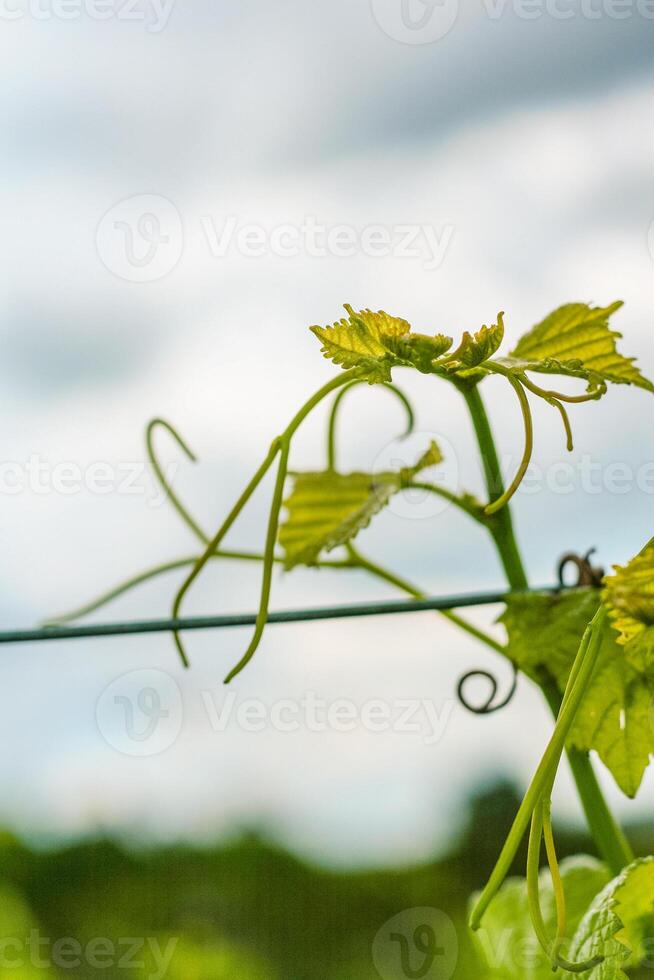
[245,909]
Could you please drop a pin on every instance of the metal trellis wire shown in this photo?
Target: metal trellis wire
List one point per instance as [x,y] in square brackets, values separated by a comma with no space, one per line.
[351,610]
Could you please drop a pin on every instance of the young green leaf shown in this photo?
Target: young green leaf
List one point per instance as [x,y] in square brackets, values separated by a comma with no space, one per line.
[629,594]
[377,342]
[328,509]
[615,925]
[363,341]
[544,631]
[474,349]
[576,340]
[506,941]
[615,716]
[421,351]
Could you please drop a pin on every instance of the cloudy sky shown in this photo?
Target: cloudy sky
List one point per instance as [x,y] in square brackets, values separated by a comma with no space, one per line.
[186,188]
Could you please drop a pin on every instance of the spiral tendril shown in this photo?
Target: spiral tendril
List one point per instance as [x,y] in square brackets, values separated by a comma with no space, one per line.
[487,707]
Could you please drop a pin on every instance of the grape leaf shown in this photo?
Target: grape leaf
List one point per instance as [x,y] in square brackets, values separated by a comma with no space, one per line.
[420,350]
[328,509]
[615,716]
[615,925]
[576,340]
[506,941]
[376,342]
[474,349]
[629,594]
[609,919]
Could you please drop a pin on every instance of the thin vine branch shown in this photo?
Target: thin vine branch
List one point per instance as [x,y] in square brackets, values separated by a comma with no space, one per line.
[167,488]
[526,455]
[333,416]
[580,675]
[280,444]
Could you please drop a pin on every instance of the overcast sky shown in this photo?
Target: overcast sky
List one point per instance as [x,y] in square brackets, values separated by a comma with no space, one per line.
[160,172]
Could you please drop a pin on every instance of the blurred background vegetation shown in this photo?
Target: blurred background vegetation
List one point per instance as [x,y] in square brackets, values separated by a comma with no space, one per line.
[244,908]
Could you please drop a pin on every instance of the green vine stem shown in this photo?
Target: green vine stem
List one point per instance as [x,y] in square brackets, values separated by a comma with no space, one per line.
[365,564]
[580,675]
[268,557]
[171,566]
[277,445]
[501,527]
[609,838]
[533,870]
[464,503]
[555,871]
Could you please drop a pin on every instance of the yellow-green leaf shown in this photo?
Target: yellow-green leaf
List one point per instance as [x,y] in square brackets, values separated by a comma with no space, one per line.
[544,633]
[609,921]
[629,594]
[328,509]
[421,351]
[376,342]
[478,347]
[617,923]
[361,341]
[506,940]
[576,340]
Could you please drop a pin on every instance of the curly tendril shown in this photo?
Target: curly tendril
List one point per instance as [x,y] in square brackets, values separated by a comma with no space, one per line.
[333,415]
[268,558]
[555,872]
[533,883]
[167,488]
[216,540]
[279,446]
[560,407]
[546,393]
[541,826]
[587,573]
[520,381]
[526,455]
[487,707]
